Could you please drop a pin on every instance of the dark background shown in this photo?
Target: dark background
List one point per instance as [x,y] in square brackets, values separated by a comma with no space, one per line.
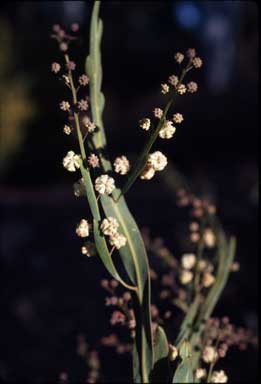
[50,292]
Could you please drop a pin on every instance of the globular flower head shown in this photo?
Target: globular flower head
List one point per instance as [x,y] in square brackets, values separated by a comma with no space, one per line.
[64,105]
[83,105]
[181,89]
[197,62]
[164,88]
[67,130]
[173,80]
[79,188]
[104,184]
[63,47]
[167,131]
[88,124]
[61,33]
[178,118]
[192,87]
[93,161]
[157,161]
[194,226]
[83,228]
[191,53]
[158,113]
[121,165]
[109,226]
[75,27]
[147,173]
[208,279]
[200,373]
[83,80]
[209,354]
[56,67]
[179,57]
[145,124]
[202,265]
[56,28]
[71,161]
[118,240]
[209,238]
[71,66]
[219,377]
[117,318]
[186,277]
[188,260]
[235,266]
[88,249]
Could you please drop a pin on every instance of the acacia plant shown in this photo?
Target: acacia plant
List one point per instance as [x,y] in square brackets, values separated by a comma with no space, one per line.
[115,235]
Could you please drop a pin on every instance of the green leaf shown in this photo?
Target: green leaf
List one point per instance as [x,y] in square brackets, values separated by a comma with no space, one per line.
[100,242]
[188,321]
[90,193]
[184,372]
[94,71]
[133,255]
[134,258]
[160,372]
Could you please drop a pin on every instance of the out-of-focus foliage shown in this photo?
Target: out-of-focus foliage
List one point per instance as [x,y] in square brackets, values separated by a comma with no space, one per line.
[16,107]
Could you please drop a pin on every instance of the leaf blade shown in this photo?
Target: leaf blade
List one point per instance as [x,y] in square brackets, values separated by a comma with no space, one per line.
[184,372]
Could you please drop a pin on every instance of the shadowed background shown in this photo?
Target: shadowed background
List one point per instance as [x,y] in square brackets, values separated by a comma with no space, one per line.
[49,291]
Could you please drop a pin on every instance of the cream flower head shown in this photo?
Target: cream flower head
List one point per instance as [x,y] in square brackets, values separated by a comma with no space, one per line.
[121,165]
[200,373]
[71,161]
[147,173]
[209,238]
[167,131]
[188,260]
[118,240]
[88,249]
[186,277]
[145,124]
[104,184]
[178,118]
[109,226]
[83,228]
[208,279]
[209,354]
[164,88]
[157,161]
[219,377]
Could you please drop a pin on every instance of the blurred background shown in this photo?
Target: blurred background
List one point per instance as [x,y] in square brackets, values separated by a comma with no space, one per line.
[49,291]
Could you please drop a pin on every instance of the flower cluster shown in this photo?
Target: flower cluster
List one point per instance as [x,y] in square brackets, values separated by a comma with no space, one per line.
[165,127]
[124,315]
[156,162]
[88,249]
[109,227]
[64,38]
